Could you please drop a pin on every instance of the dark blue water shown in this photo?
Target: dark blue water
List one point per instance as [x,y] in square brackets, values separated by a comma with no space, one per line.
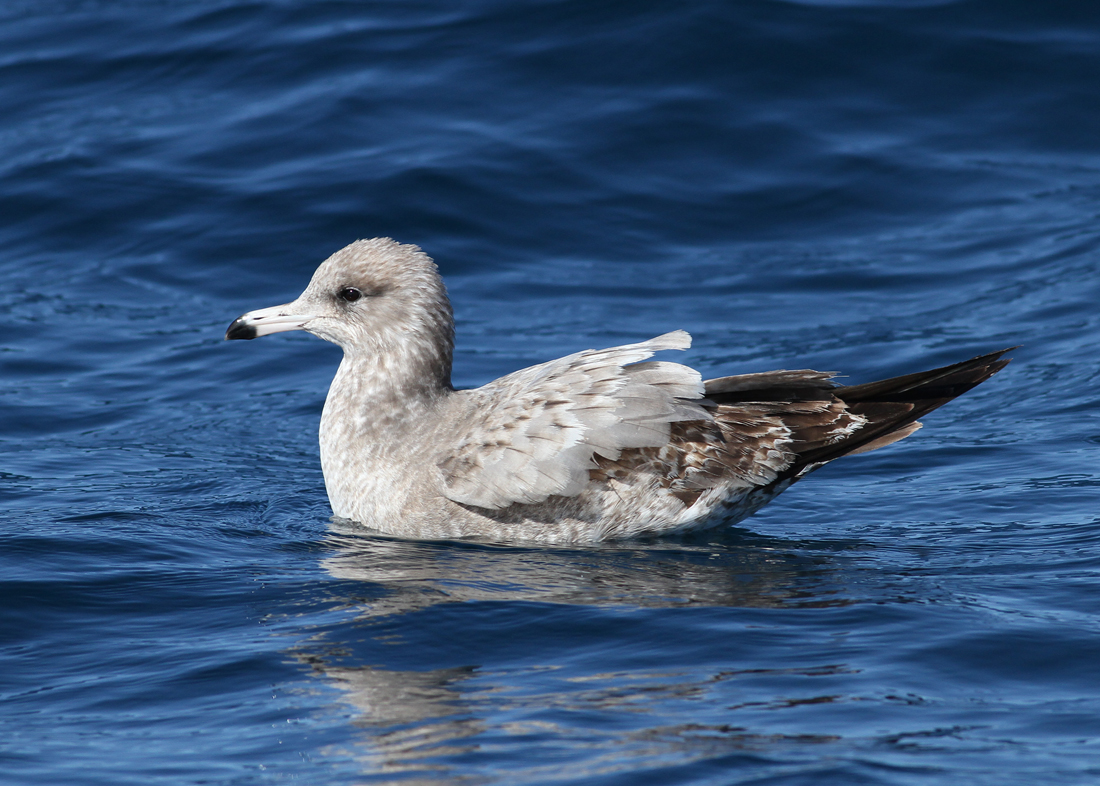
[870,187]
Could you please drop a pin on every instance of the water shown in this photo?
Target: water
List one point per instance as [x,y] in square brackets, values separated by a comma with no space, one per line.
[869,187]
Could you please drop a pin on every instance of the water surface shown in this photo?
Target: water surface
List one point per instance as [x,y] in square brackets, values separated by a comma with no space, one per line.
[866,187]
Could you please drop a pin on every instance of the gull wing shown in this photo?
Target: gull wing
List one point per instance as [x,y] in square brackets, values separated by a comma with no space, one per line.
[536,432]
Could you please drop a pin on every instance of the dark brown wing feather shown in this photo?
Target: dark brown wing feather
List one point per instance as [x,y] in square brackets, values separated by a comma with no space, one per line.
[891,407]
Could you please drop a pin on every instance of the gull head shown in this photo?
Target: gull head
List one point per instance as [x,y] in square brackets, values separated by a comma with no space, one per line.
[371,296]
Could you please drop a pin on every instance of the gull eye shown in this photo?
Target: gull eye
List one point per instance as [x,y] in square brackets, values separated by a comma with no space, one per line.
[349,294]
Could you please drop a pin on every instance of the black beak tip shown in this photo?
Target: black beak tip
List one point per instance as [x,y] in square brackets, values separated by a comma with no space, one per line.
[240,329]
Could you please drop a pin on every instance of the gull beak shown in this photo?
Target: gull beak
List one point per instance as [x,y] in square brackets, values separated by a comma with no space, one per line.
[267,320]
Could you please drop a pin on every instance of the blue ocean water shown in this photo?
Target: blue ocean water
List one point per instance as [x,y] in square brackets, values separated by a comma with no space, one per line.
[869,187]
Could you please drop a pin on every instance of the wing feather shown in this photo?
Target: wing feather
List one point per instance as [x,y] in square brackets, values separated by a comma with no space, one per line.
[535,433]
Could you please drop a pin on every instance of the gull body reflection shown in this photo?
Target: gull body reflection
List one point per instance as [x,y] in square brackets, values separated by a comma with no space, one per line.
[460,649]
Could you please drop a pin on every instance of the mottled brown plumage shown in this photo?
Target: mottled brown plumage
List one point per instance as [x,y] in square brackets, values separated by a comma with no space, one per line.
[800,415]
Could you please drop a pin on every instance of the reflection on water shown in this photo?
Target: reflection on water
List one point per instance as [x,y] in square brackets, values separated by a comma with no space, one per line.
[721,570]
[407,718]
[419,704]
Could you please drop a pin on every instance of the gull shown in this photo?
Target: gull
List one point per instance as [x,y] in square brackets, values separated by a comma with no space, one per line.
[596,445]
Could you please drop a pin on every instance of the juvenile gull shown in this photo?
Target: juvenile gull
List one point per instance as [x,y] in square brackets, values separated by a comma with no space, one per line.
[599,444]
